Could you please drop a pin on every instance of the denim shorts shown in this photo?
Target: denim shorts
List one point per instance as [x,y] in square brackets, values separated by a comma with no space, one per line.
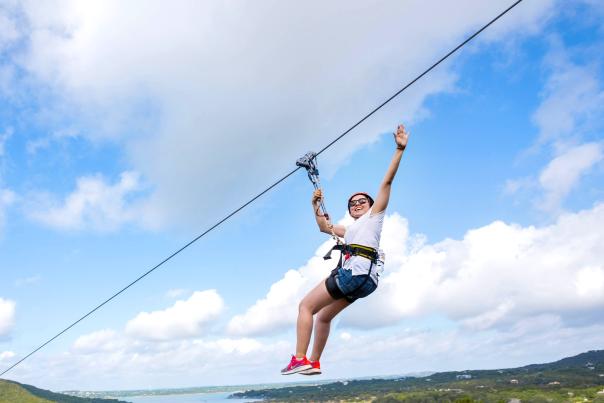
[342,284]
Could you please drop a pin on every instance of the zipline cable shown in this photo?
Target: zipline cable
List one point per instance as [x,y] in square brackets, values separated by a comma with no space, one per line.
[475,34]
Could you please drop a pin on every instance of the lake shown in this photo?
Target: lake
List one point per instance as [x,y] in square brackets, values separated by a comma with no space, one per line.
[214,397]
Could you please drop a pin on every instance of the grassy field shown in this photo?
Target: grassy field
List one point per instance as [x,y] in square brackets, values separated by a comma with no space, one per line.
[12,393]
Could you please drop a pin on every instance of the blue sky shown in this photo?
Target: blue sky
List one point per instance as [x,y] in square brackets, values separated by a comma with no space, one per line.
[124,133]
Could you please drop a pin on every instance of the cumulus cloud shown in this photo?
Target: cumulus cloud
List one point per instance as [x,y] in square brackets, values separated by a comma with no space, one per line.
[304,72]
[164,360]
[167,364]
[7,316]
[94,204]
[185,319]
[495,276]
[498,274]
[101,340]
[279,308]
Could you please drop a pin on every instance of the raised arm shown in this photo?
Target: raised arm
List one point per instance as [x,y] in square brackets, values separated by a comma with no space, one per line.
[324,225]
[381,202]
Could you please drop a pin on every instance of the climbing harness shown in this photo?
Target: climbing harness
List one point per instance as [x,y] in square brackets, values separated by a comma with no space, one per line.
[355,250]
[346,251]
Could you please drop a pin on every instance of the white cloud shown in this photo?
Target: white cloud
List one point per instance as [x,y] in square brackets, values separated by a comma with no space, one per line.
[279,308]
[7,316]
[93,204]
[104,357]
[185,319]
[300,77]
[590,282]
[496,275]
[102,340]
[6,355]
[563,172]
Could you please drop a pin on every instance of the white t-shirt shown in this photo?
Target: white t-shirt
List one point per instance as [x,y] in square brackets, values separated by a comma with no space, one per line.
[366,231]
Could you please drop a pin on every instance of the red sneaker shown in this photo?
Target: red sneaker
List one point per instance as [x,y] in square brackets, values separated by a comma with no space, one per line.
[296,365]
[315,369]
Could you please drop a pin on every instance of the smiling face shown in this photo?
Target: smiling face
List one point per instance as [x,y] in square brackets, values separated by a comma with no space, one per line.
[359,204]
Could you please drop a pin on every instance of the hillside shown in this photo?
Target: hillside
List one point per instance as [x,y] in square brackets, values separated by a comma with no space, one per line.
[579,377]
[13,392]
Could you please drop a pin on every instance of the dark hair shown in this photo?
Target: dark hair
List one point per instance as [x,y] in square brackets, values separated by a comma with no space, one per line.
[359,193]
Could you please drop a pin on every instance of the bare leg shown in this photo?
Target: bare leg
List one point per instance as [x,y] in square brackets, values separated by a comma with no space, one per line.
[312,303]
[323,324]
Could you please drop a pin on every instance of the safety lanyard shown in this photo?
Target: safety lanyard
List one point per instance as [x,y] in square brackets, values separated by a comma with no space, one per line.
[309,162]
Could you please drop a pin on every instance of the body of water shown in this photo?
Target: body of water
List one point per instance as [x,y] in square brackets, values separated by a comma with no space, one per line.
[214,397]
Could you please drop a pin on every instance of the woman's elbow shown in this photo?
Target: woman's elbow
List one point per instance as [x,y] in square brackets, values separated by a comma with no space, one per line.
[385,187]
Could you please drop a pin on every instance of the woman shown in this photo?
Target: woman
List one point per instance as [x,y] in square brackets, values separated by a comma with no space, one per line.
[356,277]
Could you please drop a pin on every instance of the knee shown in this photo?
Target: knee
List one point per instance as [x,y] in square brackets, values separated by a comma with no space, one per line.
[323,318]
[304,308]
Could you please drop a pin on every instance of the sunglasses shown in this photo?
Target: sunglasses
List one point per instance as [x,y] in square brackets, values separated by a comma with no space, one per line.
[360,201]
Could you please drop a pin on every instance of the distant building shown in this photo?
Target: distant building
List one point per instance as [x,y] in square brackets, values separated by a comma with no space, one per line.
[554,383]
[514,381]
[464,376]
